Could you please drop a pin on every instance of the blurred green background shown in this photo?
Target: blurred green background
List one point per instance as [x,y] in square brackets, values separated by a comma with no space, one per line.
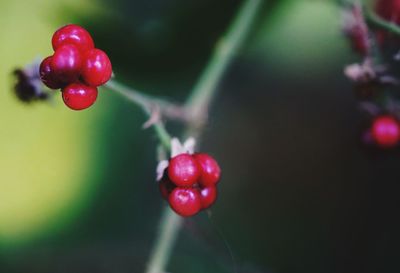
[299,194]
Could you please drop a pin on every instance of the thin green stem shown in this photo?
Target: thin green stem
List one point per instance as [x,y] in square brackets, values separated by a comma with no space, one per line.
[224,53]
[197,105]
[169,227]
[147,103]
[377,21]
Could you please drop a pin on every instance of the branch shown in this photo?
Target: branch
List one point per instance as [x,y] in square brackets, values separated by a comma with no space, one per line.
[197,106]
[377,21]
[224,53]
[149,105]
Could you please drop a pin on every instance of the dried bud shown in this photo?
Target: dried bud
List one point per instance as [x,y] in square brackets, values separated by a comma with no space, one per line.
[356,29]
[28,86]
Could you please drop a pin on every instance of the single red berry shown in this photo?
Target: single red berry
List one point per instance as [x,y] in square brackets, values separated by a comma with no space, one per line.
[210,170]
[78,96]
[66,63]
[388,10]
[183,170]
[385,131]
[96,67]
[208,195]
[72,34]
[47,75]
[166,187]
[185,201]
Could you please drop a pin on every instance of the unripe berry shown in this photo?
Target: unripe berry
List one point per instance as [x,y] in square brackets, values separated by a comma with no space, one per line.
[78,96]
[72,34]
[48,76]
[208,195]
[209,168]
[385,131]
[185,201]
[96,67]
[66,63]
[183,170]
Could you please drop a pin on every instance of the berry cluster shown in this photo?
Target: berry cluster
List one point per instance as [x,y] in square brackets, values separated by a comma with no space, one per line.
[385,131]
[76,66]
[190,183]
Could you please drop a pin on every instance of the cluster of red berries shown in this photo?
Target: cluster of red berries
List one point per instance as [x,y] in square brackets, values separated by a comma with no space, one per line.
[385,131]
[190,183]
[76,66]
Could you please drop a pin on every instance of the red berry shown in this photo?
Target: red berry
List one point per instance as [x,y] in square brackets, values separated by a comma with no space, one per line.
[210,170]
[96,67]
[208,195]
[185,201]
[166,187]
[66,63]
[388,10]
[183,170]
[72,34]
[47,74]
[78,96]
[385,131]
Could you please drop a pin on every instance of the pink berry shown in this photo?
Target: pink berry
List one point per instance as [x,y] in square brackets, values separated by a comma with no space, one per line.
[72,35]
[208,195]
[96,68]
[385,131]
[66,63]
[210,170]
[47,75]
[78,96]
[183,170]
[185,201]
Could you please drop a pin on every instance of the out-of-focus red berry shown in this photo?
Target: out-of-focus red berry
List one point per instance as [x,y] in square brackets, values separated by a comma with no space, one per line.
[385,131]
[388,10]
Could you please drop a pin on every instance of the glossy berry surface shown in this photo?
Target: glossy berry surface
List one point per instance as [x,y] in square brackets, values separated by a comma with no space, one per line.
[183,170]
[209,168]
[385,131]
[166,187]
[208,195]
[79,96]
[96,67]
[47,75]
[72,34]
[66,63]
[185,201]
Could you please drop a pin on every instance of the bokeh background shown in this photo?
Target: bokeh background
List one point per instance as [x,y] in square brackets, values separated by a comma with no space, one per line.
[299,192]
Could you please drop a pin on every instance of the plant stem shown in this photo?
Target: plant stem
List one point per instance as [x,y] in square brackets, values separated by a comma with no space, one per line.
[147,103]
[169,227]
[224,53]
[197,106]
[374,19]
